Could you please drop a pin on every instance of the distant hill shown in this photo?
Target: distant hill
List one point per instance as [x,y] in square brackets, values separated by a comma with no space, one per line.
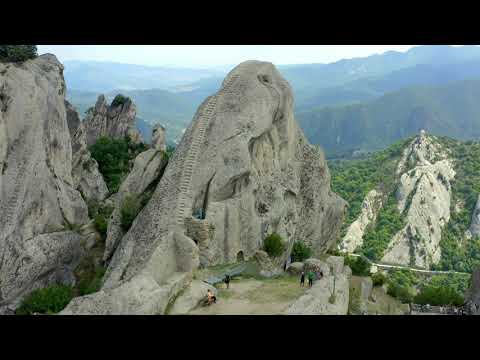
[370,88]
[107,76]
[452,110]
[307,79]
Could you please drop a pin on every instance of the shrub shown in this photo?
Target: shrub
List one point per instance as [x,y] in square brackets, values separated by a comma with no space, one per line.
[443,290]
[300,252]
[92,282]
[119,100]
[100,213]
[401,285]
[129,210]
[50,300]
[17,53]
[273,245]
[379,279]
[360,266]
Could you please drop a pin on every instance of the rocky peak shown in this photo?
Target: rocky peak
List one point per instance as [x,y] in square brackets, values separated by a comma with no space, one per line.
[158,137]
[424,150]
[116,120]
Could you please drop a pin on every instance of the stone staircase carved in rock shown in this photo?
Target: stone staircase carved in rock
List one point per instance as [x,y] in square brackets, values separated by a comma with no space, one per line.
[10,208]
[184,207]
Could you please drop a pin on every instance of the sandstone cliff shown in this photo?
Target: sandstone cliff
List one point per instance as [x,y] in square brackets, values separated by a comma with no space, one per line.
[39,206]
[242,171]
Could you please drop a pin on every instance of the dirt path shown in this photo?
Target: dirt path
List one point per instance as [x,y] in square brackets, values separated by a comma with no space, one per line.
[254,297]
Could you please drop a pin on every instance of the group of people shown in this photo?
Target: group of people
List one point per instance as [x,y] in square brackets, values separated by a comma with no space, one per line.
[316,273]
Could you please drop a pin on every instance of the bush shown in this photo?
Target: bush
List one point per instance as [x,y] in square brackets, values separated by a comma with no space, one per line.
[300,252]
[50,300]
[119,100]
[92,282]
[401,285]
[129,210]
[379,279]
[17,53]
[273,245]
[360,266]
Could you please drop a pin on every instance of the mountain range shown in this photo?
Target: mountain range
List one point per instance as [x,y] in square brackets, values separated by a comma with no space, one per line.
[353,104]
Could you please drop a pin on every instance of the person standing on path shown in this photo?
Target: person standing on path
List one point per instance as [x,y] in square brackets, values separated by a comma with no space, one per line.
[310,278]
[302,279]
[227,281]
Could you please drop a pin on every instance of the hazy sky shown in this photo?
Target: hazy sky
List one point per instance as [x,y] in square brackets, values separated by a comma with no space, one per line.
[214,55]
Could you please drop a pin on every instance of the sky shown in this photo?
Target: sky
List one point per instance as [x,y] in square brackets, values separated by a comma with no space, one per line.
[211,56]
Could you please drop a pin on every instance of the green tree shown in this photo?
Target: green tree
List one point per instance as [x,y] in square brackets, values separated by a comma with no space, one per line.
[300,252]
[17,53]
[273,245]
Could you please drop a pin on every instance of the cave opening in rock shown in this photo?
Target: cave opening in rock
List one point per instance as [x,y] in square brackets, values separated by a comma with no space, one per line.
[240,257]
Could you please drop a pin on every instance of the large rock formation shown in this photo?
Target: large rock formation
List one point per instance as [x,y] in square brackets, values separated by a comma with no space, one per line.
[424,194]
[116,120]
[39,206]
[242,171]
[370,207]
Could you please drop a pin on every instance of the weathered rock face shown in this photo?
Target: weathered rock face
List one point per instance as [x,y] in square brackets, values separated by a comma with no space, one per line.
[245,169]
[38,202]
[158,138]
[73,119]
[115,121]
[424,193]
[147,169]
[370,207]
[86,175]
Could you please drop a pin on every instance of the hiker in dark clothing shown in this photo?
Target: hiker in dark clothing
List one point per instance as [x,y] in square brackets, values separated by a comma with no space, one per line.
[302,279]
[310,278]
[227,281]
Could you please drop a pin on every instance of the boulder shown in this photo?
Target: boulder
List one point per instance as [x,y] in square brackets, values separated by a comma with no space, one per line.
[191,297]
[295,268]
[313,264]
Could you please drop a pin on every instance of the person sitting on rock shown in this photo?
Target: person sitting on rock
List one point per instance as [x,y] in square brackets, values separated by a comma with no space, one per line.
[210,297]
